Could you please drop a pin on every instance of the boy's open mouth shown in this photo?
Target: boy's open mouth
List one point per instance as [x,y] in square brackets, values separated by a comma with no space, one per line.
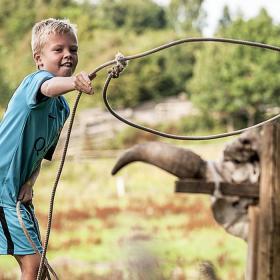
[67,64]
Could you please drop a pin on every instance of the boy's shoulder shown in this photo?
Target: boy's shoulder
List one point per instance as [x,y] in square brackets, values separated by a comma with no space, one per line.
[29,88]
[38,75]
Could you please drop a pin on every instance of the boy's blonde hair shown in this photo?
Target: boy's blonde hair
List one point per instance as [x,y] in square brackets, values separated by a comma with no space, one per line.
[41,30]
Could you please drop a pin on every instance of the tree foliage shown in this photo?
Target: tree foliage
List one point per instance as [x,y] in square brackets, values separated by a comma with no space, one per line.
[131,15]
[226,19]
[239,82]
[105,27]
[154,77]
[185,15]
[234,82]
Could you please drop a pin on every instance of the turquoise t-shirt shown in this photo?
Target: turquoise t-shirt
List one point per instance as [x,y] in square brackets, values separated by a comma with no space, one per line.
[29,132]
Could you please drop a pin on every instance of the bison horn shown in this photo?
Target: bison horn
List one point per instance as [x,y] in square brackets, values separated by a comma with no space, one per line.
[180,162]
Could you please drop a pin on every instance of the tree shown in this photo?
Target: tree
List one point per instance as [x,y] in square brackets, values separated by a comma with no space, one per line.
[132,15]
[16,17]
[154,77]
[5,92]
[239,82]
[186,15]
[225,20]
[104,28]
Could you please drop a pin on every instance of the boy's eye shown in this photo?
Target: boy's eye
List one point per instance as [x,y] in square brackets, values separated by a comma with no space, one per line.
[74,50]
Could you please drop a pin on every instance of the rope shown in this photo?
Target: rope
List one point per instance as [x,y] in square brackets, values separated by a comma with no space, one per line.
[47,265]
[56,184]
[183,137]
[173,136]
[120,63]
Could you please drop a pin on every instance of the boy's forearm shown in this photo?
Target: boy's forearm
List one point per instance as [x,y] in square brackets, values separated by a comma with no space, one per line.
[26,191]
[60,85]
[57,86]
[34,176]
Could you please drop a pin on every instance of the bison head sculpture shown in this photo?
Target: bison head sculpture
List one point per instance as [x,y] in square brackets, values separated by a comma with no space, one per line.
[239,163]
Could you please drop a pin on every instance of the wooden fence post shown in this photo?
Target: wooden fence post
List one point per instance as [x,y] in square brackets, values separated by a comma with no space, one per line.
[269,222]
[253,239]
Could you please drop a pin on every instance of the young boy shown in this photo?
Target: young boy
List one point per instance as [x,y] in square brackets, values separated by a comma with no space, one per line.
[30,130]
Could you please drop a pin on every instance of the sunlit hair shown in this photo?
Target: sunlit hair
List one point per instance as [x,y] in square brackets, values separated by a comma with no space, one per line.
[41,30]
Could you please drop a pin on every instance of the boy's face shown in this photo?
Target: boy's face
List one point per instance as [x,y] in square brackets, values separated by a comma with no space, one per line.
[59,55]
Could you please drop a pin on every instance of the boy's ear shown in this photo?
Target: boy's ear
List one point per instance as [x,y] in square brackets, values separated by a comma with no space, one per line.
[38,60]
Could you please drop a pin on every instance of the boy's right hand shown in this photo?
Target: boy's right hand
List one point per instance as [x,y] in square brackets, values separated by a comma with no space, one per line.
[83,83]
[26,192]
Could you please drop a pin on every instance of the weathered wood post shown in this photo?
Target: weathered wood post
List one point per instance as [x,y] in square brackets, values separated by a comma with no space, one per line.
[253,241]
[269,216]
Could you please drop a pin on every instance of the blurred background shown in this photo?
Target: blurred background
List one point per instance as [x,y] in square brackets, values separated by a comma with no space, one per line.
[133,225]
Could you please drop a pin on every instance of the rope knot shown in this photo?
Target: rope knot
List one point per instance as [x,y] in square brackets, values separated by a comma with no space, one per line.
[121,63]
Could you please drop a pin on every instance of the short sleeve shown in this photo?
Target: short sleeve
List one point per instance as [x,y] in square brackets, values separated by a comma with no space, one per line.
[50,152]
[32,87]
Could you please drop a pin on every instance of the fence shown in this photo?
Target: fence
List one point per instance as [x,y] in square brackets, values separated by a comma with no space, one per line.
[263,259]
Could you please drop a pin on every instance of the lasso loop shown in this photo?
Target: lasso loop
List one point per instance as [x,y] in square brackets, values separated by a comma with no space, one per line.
[115,74]
[174,136]
[120,63]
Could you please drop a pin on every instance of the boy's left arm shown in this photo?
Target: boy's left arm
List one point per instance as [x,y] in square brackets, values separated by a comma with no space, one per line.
[26,191]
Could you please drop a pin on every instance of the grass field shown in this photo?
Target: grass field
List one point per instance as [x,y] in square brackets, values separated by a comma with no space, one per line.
[147,233]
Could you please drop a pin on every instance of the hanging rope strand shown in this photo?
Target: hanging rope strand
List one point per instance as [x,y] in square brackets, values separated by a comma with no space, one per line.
[47,265]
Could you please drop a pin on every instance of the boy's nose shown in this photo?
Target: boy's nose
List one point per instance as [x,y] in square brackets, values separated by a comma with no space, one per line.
[67,53]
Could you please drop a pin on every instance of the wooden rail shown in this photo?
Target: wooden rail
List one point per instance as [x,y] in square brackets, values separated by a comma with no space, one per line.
[204,187]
